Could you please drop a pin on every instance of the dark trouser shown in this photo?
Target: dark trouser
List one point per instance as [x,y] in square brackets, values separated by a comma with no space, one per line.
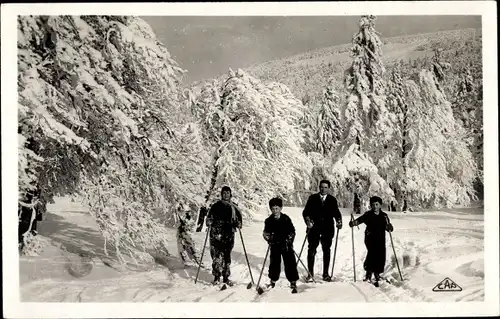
[289,262]
[314,238]
[375,257]
[220,251]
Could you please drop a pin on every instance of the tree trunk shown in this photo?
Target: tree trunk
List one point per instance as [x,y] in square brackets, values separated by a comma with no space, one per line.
[357,204]
[405,149]
[204,209]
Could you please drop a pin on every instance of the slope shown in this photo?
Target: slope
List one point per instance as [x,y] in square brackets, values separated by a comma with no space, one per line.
[430,247]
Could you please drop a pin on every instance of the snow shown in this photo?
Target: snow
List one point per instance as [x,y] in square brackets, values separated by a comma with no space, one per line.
[430,246]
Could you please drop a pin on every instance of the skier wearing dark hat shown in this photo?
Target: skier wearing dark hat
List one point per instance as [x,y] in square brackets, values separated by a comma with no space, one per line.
[279,232]
[223,218]
[377,223]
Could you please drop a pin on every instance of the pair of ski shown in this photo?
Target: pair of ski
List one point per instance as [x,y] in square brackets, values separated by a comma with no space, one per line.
[224,286]
[376,283]
[268,287]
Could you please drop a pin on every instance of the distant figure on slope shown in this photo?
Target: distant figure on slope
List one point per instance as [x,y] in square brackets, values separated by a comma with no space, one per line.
[223,219]
[279,232]
[185,242]
[320,213]
[377,223]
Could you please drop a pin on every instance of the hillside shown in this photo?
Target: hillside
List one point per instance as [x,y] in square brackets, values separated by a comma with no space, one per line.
[307,73]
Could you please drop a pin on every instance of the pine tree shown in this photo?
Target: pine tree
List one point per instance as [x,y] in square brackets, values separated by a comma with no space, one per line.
[367,122]
[252,128]
[430,164]
[401,103]
[328,127]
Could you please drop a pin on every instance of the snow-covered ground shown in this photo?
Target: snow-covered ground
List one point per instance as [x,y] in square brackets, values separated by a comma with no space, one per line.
[430,246]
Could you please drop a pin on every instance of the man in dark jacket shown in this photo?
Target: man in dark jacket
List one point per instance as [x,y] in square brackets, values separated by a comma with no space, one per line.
[320,213]
[377,223]
[279,232]
[222,220]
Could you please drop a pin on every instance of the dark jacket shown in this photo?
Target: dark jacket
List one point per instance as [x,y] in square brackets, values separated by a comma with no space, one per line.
[323,215]
[220,218]
[376,225]
[281,230]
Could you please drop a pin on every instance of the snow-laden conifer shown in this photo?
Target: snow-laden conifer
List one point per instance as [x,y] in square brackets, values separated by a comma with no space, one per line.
[253,130]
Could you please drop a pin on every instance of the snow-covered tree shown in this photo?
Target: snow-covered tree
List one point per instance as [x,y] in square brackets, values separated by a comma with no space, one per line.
[368,125]
[401,101]
[428,164]
[252,128]
[322,131]
[101,97]
[328,127]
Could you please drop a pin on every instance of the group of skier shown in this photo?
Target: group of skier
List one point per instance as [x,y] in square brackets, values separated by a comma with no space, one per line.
[321,215]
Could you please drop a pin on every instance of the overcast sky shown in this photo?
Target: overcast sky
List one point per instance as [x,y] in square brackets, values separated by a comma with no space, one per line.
[207,46]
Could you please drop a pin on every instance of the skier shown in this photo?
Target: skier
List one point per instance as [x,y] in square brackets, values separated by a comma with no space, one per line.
[279,232]
[319,214]
[185,242]
[377,222]
[223,219]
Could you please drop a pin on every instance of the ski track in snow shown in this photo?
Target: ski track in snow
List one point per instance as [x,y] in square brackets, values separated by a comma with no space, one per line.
[447,244]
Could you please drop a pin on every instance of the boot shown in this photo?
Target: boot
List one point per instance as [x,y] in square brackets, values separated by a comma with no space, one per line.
[327,277]
[216,281]
[377,277]
[326,262]
[228,282]
[272,284]
[368,276]
[293,284]
[310,263]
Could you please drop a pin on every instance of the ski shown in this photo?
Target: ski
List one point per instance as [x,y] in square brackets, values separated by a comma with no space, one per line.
[266,288]
[377,283]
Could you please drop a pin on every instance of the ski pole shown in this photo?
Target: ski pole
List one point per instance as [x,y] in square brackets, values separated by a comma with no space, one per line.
[300,260]
[202,253]
[248,263]
[303,244]
[263,266]
[335,251]
[353,252]
[394,250]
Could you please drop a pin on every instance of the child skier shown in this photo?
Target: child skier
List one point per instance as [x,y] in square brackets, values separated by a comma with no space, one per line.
[377,222]
[279,232]
[185,243]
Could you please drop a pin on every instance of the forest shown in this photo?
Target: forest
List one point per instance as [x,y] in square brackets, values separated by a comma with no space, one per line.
[104,117]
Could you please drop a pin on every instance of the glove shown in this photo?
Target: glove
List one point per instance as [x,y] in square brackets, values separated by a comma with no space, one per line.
[352,223]
[209,222]
[267,237]
[339,224]
[389,228]
[309,222]
[289,242]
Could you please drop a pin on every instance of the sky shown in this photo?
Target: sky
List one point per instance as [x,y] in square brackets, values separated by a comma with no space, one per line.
[208,46]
